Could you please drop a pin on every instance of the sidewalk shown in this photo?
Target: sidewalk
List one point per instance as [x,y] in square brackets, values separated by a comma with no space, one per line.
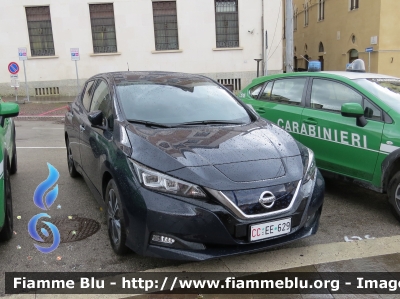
[44,108]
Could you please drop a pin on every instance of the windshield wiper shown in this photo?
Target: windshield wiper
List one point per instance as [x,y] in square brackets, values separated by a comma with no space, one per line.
[210,122]
[148,123]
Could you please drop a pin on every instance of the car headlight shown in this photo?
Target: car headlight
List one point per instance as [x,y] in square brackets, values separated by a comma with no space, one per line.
[155,180]
[309,166]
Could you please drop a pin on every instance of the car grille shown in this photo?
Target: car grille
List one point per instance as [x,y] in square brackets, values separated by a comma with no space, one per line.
[248,200]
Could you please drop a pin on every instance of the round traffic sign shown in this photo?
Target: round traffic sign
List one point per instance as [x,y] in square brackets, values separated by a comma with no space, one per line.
[13,68]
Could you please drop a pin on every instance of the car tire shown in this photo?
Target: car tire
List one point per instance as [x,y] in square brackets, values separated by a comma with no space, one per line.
[71,164]
[115,219]
[13,168]
[7,230]
[394,194]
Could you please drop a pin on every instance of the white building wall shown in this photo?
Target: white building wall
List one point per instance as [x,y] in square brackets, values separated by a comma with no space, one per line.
[135,42]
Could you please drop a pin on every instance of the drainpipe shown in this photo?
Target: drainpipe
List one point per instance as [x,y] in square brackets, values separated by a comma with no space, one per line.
[262,35]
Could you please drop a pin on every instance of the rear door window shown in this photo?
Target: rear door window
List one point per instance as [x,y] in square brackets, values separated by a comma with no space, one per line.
[288,91]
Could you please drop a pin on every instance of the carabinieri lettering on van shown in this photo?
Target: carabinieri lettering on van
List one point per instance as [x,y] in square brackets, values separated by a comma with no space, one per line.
[328,134]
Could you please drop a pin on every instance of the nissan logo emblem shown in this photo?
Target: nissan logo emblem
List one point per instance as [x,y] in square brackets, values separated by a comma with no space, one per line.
[267,199]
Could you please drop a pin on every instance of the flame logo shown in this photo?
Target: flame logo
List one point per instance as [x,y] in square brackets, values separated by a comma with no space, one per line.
[44,186]
[32,231]
[45,202]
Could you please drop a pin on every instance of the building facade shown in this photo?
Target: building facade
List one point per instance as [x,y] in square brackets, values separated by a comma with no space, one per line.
[218,38]
[336,32]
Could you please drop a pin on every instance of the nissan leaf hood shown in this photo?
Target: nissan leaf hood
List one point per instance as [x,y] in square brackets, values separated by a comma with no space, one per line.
[222,155]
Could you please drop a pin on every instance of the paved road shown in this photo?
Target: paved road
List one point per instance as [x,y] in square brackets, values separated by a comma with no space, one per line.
[348,211]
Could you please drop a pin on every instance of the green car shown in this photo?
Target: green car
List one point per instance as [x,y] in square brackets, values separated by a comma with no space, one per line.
[351,120]
[8,165]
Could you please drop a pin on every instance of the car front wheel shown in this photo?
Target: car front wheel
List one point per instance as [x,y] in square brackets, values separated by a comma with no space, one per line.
[394,194]
[71,164]
[13,168]
[7,230]
[115,219]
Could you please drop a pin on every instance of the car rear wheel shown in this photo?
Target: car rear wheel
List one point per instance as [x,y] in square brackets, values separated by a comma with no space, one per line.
[115,219]
[394,194]
[13,168]
[7,230]
[71,164]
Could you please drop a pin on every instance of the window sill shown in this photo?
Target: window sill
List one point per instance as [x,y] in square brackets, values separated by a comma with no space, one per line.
[42,57]
[105,54]
[227,49]
[320,20]
[167,51]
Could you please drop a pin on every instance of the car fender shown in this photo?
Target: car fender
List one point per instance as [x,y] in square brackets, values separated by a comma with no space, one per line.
[2,199]
[389,166]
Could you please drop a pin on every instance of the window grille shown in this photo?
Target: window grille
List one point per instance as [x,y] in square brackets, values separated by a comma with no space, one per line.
[165,25]
[39,30]
[227,23]
[232,84]
[47,91]
[103,28]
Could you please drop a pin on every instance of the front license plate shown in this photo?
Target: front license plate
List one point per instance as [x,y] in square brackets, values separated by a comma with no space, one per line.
[270,229]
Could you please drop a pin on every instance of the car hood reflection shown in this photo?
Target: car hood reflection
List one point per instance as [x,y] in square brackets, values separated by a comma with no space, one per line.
[248,153]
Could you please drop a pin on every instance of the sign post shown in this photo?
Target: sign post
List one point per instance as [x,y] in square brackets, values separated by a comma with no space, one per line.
[22,54]
[369,50]
[75,57]
[13,68]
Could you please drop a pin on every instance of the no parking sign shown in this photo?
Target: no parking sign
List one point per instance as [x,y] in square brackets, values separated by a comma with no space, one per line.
[13,68]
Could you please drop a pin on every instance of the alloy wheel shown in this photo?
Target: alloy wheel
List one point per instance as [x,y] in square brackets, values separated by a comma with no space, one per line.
[113,217]
[397,196]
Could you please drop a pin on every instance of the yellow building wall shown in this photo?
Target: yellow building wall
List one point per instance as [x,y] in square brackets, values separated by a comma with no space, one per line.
[336,31]
[389,38]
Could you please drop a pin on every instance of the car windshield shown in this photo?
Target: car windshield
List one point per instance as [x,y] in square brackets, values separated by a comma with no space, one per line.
[176,104]
[386,89]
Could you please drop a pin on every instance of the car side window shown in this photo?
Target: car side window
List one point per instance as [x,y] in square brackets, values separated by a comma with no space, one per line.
[288,91]
[266,94]
[331,95]
[102,101]
[254,91]
[87,95]
[371,111]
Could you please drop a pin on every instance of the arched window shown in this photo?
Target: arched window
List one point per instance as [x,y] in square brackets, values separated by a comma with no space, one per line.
[353,55]
[306,59]
[321,47]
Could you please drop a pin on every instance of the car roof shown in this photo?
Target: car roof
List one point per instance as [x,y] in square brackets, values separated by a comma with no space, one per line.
[173,78]
[326,74]
[358,75]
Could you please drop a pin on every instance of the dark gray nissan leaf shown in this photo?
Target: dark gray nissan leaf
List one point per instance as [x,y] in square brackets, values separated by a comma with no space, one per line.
[187,171]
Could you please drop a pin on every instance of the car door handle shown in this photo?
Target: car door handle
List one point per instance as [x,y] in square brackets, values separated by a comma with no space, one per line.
[82,128]
[310,121]
[260,110]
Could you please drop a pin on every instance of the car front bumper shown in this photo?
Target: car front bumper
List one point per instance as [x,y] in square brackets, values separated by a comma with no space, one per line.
[205,229]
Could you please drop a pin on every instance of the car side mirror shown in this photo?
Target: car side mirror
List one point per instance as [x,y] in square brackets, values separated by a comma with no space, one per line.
[9,109]
[354,110]
[96,119]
